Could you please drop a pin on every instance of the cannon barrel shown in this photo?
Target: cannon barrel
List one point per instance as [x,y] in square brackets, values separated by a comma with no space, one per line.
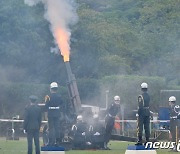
[73,89]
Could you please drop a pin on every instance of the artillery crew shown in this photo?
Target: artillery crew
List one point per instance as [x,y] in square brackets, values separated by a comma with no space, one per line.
[52,106]
[174,114]
[79,131]
[97,133]
[143,118]
[110,119]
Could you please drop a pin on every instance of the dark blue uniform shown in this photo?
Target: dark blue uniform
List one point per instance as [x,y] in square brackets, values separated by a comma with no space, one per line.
[53,104]
[32,123]
[97,134]
[143,116]
[174,122]
[110,119]
[79,134]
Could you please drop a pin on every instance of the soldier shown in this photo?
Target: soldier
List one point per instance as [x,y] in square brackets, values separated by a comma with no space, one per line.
[52,106]
[97,133]
[32,123]
[110,119]
[174,114]
[79,131]
[143,114]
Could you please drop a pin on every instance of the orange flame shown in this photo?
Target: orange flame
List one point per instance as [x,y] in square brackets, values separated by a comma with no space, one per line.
[62,38]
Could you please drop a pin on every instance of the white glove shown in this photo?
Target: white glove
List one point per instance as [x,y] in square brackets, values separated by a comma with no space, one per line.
[83,133]
[97,133]
[174,117]
[24,131]
[13,131]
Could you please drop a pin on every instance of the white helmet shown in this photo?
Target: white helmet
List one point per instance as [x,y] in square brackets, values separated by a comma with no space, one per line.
[172,99]
[53,85]
[144,85]
[116,98]
[79,118]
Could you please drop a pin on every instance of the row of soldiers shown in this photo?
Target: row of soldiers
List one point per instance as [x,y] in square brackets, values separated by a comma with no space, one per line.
[143,119]
[53,103]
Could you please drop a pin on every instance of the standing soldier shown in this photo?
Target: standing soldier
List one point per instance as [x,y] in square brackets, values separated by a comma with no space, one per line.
[32,123]
[52,106]
[143,114]
[110,119]
[174,111]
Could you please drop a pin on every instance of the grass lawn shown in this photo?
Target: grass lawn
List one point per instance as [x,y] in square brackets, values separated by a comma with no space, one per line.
[20,147]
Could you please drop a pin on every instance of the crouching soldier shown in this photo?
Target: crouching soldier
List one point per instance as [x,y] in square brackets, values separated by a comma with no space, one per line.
[79,133]
[97,133]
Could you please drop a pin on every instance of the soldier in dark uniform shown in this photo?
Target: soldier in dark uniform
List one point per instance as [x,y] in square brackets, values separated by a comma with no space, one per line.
[79,131]
[32,123]
[97,133]
[52,106]
[110,119]
[174,114]
[143,118]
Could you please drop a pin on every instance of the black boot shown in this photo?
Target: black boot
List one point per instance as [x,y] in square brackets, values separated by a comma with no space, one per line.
[139,142]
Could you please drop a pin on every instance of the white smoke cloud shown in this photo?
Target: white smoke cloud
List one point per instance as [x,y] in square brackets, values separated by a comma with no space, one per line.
[54,50]
[60,13]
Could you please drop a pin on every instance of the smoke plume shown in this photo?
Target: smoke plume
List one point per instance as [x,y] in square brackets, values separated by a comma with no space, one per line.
[61,14]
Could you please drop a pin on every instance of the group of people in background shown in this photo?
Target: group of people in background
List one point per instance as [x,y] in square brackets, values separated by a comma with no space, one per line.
[94,135]
[98,133]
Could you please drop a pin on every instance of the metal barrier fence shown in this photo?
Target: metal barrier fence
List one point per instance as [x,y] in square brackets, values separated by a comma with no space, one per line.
[12,129]
[128,127]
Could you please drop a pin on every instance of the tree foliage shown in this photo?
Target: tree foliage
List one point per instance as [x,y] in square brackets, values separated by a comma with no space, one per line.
[112,37]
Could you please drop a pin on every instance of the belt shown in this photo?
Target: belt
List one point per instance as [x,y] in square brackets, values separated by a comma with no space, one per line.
[146,107]
[53,108]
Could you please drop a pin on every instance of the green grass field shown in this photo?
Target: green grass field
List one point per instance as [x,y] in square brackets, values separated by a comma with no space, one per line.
[20,147]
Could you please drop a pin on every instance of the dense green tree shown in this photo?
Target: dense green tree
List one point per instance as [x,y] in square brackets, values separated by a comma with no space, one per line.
[112,37]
